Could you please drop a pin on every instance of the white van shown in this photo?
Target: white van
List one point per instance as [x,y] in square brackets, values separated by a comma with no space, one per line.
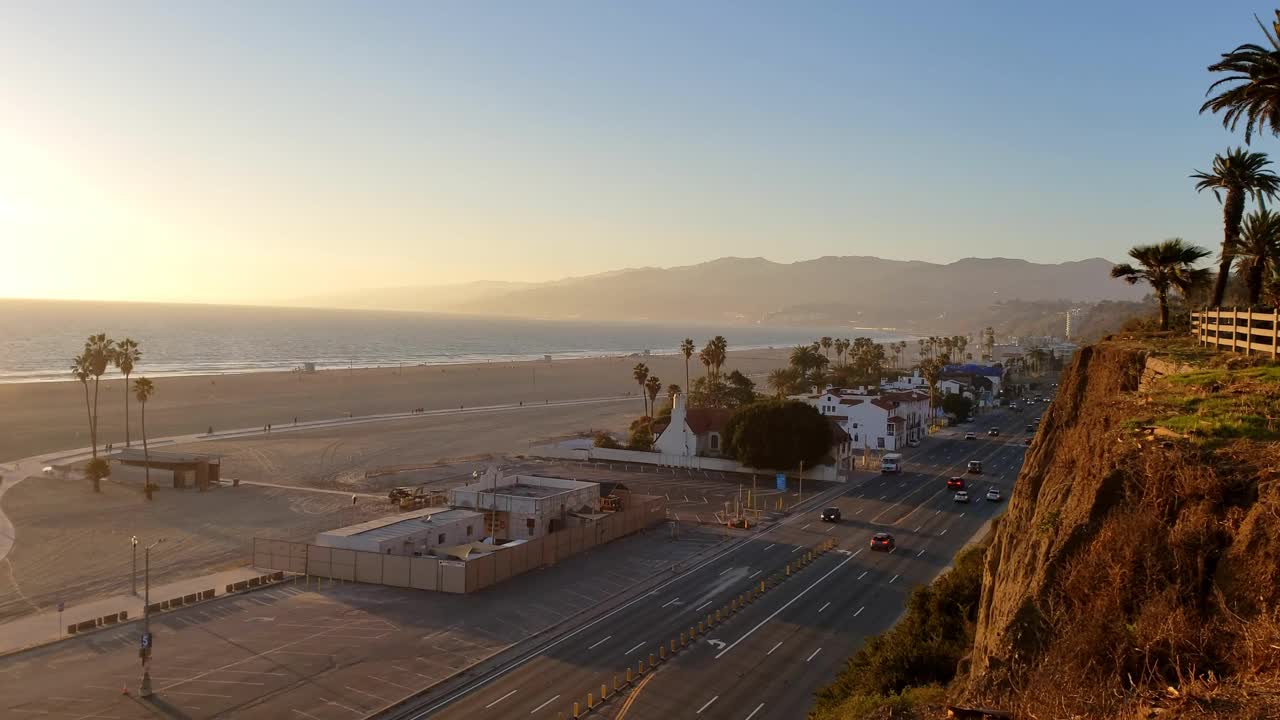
[891,463]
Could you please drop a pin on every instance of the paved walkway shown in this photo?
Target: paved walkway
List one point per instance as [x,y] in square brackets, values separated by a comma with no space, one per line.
[48,626]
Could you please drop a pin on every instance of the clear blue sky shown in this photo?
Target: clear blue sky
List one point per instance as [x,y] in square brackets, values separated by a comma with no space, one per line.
[274,149]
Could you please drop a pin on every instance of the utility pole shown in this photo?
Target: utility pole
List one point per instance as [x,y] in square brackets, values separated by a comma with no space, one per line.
[800,483]
[145,689]
[133,579]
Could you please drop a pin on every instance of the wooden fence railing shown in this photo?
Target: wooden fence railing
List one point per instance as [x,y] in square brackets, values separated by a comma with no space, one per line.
[1245,331]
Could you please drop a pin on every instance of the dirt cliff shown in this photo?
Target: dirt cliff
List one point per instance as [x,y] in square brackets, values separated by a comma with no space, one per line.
[1137,570]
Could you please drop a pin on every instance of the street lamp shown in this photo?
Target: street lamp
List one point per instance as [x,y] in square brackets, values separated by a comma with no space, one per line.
[133,579]
[145,651]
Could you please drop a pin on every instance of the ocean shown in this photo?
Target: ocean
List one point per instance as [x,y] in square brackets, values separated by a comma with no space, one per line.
[39,337]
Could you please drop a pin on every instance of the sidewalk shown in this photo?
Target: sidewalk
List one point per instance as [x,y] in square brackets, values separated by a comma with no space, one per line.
[46,626]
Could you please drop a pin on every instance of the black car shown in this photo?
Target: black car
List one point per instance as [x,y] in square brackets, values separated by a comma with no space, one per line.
[831,514]
[882,541]
[994,432]
[1031,428]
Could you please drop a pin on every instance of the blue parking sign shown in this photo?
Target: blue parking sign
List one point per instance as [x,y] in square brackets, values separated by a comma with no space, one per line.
[782,481]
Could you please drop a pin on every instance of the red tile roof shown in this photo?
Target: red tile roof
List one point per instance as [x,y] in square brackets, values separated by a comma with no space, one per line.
[850,401]
[705,420]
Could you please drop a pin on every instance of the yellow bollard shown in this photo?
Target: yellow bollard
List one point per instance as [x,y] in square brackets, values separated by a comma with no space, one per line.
[651,662]
[628,676]
[590,702]
[708,621]
[673,643]
[717,616]
[699,627]
[733,604]
[575,711]
[615,682]
[788,569]
[640,669]
[662,652]
[603,692]
[681,638]
[761,586]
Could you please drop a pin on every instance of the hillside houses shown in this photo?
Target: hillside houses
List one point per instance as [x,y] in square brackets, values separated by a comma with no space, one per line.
[875,419]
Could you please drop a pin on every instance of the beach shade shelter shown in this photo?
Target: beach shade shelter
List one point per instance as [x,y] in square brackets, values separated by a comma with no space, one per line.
[200,470]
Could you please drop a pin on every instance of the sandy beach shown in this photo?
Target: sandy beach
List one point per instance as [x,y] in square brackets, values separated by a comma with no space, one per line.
[46,417]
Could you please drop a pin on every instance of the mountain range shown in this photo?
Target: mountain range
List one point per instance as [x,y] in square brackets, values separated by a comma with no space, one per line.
[854,291]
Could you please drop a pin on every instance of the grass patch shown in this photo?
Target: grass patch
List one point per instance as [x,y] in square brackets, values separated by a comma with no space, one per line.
[1227,402]
[916,702]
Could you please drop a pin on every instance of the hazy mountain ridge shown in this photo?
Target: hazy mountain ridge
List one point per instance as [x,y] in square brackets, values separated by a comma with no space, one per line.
[855,290]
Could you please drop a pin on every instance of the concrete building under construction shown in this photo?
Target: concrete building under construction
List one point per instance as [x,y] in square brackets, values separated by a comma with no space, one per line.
[528,506]
[413,533]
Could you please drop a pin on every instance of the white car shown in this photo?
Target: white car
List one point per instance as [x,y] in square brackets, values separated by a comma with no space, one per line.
[993,494]
[962,496]
[47,470]
[970,436]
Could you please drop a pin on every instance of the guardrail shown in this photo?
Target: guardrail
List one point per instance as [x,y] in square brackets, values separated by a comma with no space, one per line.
[1245,331]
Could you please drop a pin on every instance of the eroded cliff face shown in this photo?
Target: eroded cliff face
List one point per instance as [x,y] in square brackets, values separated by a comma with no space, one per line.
[1128,561]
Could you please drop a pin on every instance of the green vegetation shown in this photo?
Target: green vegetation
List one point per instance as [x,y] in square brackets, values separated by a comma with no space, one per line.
[1237,174]
[1216,404]
[143,389]
[606,441]
[957,406]
[778,434]
[905,666]
[1165,266]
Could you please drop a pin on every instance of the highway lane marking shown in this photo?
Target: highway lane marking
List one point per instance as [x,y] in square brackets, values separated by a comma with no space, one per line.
[824,607]
[752,575]
[725,570]
[935,512]
[919,553]
[704,707]
[622,712]
[305,714]
[375,677]
[864,607]
[504,697]
[379,698]
[699,608]
[770,546]
[600,642]
[859,512]
[864,574]
[535,710]
[672,601]
[944,532]
[895,577]
[806,527]
[917,529]
[784,607]
[638,646]
[883,497]
[961,514]
[775,647]
[814,655]
[753,712]
[533,654]
[798,549]
[859,552]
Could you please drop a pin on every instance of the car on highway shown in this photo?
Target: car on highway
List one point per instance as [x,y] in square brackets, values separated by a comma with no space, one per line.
[993,494]
[961,496]
[1016,408]
[1031,428]
[913,443]
[975,467]
[1038,420]
[955,483]
[994,432]
[882,541]
[831,514]
[971,436]
[1027,441]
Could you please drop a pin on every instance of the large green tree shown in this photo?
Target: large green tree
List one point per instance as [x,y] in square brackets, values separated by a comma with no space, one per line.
[1164,265]
[1236,176]
[1258,250]
[778,435]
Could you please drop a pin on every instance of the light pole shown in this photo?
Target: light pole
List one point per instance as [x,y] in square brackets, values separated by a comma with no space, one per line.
[133,579]
[145,689]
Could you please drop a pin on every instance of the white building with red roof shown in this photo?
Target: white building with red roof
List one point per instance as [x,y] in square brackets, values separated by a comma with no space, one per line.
[877,420]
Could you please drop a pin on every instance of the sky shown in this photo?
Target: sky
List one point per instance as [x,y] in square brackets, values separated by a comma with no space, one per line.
[256,152]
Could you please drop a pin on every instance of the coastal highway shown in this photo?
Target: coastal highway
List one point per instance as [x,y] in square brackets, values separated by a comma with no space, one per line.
[767,661]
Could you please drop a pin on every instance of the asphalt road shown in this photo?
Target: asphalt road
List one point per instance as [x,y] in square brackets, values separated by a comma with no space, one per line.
[767,661]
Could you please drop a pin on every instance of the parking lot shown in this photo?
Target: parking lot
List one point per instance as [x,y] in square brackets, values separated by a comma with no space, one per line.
[332,651]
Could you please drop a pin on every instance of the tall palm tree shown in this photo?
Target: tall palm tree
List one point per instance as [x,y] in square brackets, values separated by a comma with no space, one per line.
[641,373]
[722,351]
[687,349]
[920,352]
[1259,249]
[931,371]
[1238,174]
[82,370]
[100,350]
[826,343]
[672,391]
[143,389]
[1255,94]
[653,386]
[1161,265]
[125,358]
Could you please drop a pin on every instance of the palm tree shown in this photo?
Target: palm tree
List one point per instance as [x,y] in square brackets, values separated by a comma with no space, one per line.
[1256,97]
[781,380]
[1258,250]
[920,353]
[826,343]
[931,371]
[126,356]
[1239,173]
[842,347]
[99,349]
[672,391]
[82,370]
[1161,265]
[653,386]
[143,389]
[686,349]
[641,373]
